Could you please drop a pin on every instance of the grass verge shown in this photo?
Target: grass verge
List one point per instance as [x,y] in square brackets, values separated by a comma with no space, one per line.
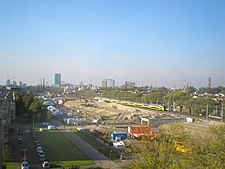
[90,139]
[60,151]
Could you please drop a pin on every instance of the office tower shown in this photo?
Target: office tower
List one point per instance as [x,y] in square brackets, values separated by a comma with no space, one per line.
[8,82]
[108,83]
[57,79]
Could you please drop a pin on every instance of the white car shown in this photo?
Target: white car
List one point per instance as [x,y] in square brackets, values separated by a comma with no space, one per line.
[19,138]
[41,154]
[45,164]
[42,158]
[24,165]
[39,149]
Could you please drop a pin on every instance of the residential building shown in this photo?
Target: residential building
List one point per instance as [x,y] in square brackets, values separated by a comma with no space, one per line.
[7,116]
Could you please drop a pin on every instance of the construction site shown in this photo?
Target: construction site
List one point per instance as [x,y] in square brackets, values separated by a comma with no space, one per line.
[105,118]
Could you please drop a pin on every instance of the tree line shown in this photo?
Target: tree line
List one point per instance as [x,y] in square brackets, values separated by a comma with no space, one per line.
[27,105]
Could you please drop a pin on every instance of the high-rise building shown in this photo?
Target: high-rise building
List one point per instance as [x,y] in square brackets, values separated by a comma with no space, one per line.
[57,79]
[104,83]
[108,83]
[210,82]
[8,82]
[21,83]
[14,83]
[129,84]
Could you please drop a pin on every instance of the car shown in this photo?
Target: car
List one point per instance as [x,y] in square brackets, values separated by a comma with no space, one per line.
[42,158]
[41,153]
[52,127]
[45,124]
[18,130]
[45,164]
[39,149]
[24,165]
[19,138]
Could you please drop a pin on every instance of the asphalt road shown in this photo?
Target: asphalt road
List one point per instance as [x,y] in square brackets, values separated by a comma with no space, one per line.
[25,148]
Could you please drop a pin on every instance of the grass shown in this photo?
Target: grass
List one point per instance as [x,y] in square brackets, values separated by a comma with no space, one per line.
[90,139]
[11,165]
[60,151]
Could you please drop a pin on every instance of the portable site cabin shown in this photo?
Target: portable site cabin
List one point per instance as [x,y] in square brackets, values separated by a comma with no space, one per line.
[117,136]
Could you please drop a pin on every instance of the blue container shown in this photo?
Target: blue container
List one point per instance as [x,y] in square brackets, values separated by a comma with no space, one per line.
[117,136]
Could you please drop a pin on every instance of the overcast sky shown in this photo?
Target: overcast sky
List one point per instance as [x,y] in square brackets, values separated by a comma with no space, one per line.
[158,42]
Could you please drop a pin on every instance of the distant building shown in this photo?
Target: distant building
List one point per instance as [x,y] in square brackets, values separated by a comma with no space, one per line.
[14,83]
[129,84]
[108,83]
[21,83]
[57,79]
[8,82]
[104,83]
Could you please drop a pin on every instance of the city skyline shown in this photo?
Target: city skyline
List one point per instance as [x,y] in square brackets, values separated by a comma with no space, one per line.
[159,43]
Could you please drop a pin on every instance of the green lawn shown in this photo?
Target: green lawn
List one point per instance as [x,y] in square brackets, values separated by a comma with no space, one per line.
[90,139]
[60,151]
[11,165]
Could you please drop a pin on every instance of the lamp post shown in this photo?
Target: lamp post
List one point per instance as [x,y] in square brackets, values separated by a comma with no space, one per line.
[24,154]
[110,156]
[33,121]
[1,143]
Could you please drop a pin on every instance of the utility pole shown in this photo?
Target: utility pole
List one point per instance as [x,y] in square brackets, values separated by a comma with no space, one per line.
[222,113]
[1,143]
[110,156]
[207,112]
[168,105]
[33,121]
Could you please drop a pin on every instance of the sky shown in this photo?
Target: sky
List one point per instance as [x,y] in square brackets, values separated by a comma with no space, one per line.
[149,42]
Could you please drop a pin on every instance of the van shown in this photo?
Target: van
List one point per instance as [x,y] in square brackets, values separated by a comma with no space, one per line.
[51,127]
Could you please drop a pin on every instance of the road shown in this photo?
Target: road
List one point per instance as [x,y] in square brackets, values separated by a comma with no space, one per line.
[24,148]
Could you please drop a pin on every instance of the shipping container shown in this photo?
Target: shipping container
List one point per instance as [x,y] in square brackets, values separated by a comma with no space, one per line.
[117,136]
[142,132]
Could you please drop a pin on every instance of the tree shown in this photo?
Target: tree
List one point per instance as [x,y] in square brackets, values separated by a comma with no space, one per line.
[161,153]
[208,151]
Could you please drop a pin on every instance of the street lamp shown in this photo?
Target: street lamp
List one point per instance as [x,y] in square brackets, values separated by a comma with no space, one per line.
[33,121]
[110,155]
[24,153]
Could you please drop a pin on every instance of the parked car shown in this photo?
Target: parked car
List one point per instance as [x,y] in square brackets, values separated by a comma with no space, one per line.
[19,138]
[45,164]
[52,127]
[45,124]
[41,153]
[24,165]
[39,149]
[42,158]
